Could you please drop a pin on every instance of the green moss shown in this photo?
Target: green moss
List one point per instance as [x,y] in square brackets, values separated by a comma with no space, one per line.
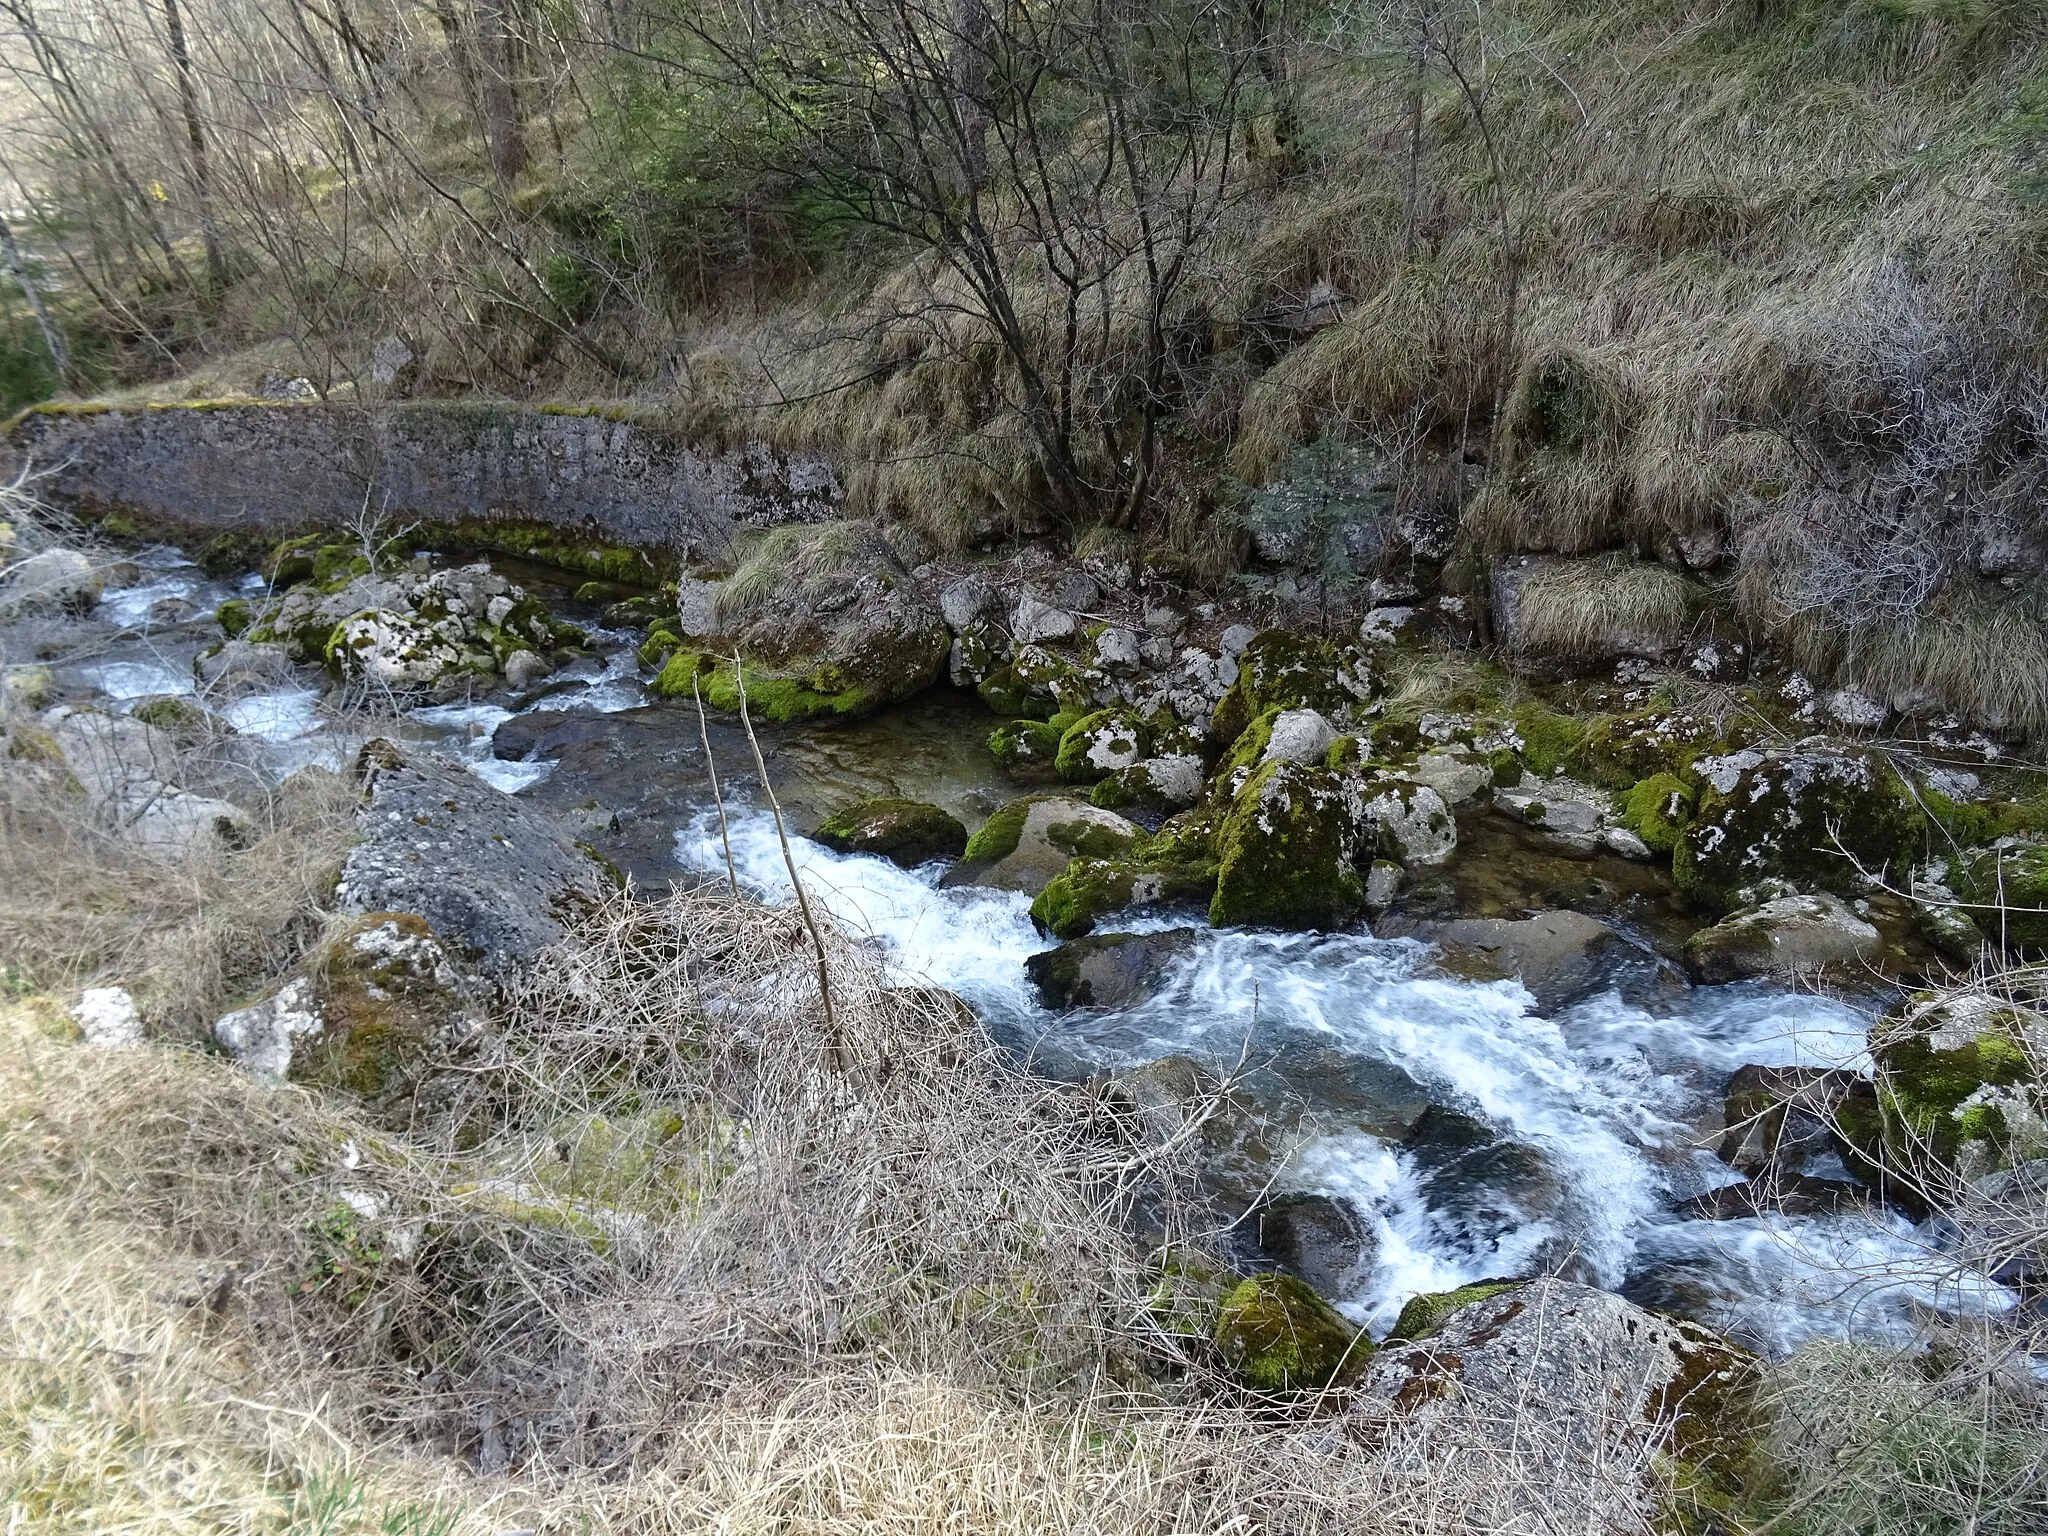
[1037,684]
[1119,732]
[565,549]
[2006,892]
[1549,741]
[907,832]
[1090,889]
[1249,748]
[336,565]
[1423,1315]
[997,837]
[291,562]
[1024,744]
[234,616]
[1287,852]
[773,696]
[179,717]
[1282,669]
[1792,816]
[656,649]
[1507,768]
[1657,809]
[1621,750]
[1278,1335]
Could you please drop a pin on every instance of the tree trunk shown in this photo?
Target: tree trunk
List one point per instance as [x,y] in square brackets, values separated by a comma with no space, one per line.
[52,337]
[505,135]
[195,137]
[973,26]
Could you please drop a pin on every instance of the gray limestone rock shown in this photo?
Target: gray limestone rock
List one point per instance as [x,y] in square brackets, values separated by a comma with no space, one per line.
[490,875]
[1788,937]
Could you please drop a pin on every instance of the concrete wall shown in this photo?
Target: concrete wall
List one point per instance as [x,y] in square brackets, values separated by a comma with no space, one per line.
[189,469]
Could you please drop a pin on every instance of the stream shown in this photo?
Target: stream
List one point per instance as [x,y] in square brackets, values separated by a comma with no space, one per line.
[1473,1133]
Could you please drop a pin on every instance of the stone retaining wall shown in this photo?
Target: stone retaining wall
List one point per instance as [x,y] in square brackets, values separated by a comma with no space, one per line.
[274,467]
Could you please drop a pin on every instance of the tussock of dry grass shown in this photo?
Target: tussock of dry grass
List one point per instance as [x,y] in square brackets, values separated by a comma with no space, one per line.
[1595,607]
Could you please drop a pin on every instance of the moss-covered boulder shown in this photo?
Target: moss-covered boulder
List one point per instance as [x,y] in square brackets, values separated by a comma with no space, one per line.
[1791,936]
[1088,890]
[1423,1315]
[371,1014]
[825,624]
[1102,743]
[1657,809]
[1806,816]
[1287,853]
[1157,786]
[1028,843]
[1277,1335]
[1038,684]
[1409,821]
[1281,669]
[1620,750]
[2005,893]
[1026,746]
[905,832]
[1959,1092]
[235,615]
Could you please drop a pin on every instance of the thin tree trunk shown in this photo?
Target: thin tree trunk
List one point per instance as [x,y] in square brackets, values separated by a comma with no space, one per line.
[505,136]
[195,137]
[972,28]
[1415,86]
[52,337]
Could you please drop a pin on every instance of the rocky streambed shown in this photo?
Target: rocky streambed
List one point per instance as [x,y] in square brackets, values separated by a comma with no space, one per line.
[1480,972]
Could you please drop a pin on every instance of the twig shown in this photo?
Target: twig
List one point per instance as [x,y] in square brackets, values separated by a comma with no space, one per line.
[833,1052]
[718,799]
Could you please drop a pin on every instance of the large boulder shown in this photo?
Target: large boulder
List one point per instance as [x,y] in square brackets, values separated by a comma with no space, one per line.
[1281,669]
[1792,936]
[496,881]
[1412,824]
[2004,891]
[56,578]
[1100,744]
[1806,815]
[1959,1094]
[1288,851]
[1157,785]
[1610,1382]
[813,648]
[905,832]
[1558,956]
[1028,842]
[128,771]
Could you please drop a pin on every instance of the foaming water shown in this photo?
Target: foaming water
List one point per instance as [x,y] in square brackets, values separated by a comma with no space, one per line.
[468,731]
[1579,1128]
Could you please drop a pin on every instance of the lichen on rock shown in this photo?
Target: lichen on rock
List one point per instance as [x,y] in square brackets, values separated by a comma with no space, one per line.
[1102,743]
[1281,669]
[1288,851]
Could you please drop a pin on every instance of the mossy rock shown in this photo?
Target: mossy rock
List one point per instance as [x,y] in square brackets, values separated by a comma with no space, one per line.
[387,996]
[1158,786]
[1948,1071]
[1288,851]
[290,563]
[1037,684]
[1101,743]
[1283,669]
[1657,810]
[1621,750]
[1089,890]
[1550,741]
[656,649]
[336,565]
[235,615]
[905,832]
[823,693]
[1423,1315]
[1249,749]
[175,716]
[2006,893]
[1030,842]
[1025,746]
[1278,1335]
[1792,815]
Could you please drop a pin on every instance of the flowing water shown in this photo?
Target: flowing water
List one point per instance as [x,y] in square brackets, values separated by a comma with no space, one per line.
[1473,1133]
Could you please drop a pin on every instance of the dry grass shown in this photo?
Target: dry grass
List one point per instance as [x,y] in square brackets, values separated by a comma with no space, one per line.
[1595,607]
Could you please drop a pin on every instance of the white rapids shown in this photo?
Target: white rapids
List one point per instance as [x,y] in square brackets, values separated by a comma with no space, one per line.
[1604,1093]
